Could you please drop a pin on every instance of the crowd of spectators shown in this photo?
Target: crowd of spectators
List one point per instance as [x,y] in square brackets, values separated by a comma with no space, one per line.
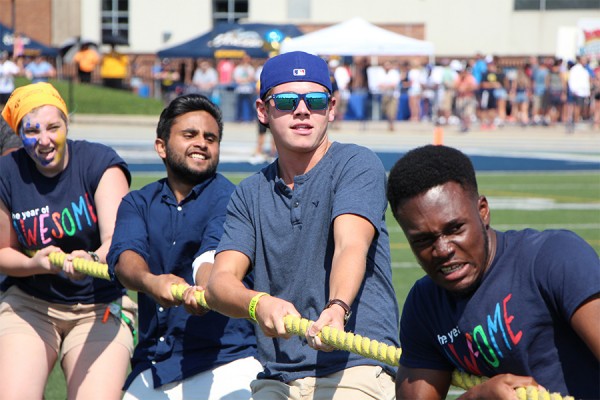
[541,91]
[488,91]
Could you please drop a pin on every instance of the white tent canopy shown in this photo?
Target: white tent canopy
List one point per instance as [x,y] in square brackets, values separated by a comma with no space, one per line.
[357,37]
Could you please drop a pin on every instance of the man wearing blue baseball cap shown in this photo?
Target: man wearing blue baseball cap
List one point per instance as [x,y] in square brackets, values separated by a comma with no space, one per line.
[311,226]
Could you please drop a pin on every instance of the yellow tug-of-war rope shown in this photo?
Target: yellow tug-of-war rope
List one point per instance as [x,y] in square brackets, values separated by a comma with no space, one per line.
[88,267]
[339,339]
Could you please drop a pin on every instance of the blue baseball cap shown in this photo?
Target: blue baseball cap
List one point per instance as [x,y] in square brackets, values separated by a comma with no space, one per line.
[295,66]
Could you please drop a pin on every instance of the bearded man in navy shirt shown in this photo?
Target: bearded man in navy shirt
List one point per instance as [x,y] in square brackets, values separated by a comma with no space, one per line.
[166,234]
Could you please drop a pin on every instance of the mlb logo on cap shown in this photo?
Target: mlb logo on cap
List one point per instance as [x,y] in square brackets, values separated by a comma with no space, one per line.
[299,72]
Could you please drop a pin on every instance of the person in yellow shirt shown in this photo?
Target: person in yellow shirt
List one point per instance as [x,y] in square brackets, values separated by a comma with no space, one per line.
[114,69]
[86,60]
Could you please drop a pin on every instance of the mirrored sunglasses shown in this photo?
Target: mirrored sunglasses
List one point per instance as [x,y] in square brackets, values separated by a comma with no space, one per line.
[290,101]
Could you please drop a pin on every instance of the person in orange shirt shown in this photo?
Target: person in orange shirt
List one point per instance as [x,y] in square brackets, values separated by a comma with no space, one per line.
[86,60]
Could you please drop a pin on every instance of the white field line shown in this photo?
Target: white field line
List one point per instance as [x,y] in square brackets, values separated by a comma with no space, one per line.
[537,186]
[503,227]
[533,203]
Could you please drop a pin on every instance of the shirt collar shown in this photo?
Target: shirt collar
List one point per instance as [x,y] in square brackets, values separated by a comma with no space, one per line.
[168,196]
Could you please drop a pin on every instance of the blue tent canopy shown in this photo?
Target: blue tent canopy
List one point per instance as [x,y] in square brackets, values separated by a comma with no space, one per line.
[256,40]
[31,46]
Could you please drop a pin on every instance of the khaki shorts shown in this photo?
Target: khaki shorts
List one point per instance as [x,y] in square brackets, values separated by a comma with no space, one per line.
[365,382]
[447,99]
[465,106]
[62,326]
[538,102]
[390,107]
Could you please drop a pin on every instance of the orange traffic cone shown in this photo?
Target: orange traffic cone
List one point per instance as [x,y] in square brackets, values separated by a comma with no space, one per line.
[438,135]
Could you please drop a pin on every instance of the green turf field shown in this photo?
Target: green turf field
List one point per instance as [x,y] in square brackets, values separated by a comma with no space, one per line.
[568,200]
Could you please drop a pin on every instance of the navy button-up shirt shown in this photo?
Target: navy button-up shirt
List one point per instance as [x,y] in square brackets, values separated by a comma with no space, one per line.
[169,236]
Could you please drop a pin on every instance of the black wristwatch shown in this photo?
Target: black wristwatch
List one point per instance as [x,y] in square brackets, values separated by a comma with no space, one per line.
[346,307]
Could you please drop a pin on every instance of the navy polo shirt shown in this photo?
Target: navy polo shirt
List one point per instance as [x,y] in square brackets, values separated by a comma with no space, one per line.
[169,236]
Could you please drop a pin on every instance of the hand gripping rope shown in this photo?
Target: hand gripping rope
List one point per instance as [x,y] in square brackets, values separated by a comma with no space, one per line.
[88,267]
[339,339]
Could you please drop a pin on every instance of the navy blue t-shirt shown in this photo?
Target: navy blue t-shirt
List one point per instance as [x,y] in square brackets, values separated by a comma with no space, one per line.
[169,236]
[517,321]
[59,211]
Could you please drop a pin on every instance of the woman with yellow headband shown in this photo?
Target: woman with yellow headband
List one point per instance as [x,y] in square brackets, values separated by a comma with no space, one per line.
[59,195]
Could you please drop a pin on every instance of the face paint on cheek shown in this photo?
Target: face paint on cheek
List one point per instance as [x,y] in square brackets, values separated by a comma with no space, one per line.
[29,144]
[60,142]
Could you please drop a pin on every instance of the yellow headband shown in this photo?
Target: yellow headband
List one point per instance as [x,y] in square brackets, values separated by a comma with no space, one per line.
[26,98]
